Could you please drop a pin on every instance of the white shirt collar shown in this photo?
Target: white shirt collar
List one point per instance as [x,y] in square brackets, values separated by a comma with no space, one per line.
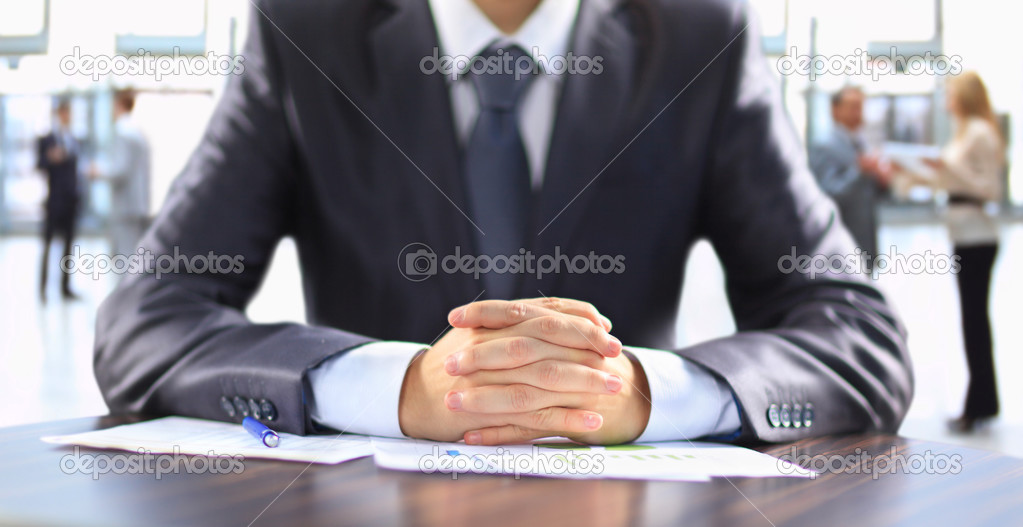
[463,30]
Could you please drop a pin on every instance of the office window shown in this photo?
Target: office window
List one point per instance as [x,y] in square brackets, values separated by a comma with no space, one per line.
[26,118]
[845,27]
[160,18]
[886,21]
[173,123]
[771,14]
[22,18]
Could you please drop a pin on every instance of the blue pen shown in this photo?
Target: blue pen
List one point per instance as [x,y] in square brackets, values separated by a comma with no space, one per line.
[261,432]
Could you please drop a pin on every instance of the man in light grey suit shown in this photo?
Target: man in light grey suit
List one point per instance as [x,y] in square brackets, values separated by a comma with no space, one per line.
[128,174]
[851,177]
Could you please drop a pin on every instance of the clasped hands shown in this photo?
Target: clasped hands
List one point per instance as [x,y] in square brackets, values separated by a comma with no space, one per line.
[512,371]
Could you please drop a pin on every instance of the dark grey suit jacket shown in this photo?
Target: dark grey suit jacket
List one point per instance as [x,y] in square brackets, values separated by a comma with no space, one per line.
[334,136]
[61,181]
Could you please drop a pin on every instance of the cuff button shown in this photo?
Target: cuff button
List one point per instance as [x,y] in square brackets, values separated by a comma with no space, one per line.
[225,404]
[254,409]
[808,415]
[268,410]
[241,406]
[773,416]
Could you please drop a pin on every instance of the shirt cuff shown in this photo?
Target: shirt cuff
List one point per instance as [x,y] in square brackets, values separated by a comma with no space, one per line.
[686,400]
[358,391]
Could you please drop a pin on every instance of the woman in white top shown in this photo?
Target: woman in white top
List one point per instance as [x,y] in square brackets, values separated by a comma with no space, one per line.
[969,170]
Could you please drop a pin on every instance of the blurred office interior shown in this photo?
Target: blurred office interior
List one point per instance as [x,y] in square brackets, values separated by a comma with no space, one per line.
[46,350]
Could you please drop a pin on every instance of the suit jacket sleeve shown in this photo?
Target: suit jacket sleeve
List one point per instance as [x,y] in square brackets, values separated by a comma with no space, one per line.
[831,341]
[177,343]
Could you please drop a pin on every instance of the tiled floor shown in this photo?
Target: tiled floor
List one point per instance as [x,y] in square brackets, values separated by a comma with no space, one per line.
[46,351]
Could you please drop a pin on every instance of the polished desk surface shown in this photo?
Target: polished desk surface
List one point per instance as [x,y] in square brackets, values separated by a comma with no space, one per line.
[34,490]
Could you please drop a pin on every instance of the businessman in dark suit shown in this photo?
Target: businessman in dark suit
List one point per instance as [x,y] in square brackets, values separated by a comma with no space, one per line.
[347,132]
[57,158]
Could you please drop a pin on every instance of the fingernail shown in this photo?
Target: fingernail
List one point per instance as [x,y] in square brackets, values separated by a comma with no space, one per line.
[613,344]
[613,382]
[451,363]
[458,315]
[607,322]
[454,400]
[473,438]
[593,421]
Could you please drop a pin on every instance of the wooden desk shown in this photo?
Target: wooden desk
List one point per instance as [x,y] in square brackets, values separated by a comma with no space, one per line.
[34,490]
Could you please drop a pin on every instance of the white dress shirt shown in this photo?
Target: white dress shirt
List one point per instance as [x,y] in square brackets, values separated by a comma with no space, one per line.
[359,390]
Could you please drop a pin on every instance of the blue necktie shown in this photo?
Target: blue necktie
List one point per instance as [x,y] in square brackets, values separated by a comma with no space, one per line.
[496,167]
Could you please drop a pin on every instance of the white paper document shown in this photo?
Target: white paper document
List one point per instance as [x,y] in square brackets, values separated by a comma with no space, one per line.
[185,435]
[675,460]
[911,156]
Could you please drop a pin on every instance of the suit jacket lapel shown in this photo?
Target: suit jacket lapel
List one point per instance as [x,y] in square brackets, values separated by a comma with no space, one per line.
[590,117]
[414,110]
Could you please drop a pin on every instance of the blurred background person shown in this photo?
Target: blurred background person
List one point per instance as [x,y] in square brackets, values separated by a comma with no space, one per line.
[128,176]
[58,159]
[969,170]
[853,178]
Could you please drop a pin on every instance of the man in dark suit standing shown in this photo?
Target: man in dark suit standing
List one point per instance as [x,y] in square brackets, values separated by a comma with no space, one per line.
[58,159]
[569,160]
